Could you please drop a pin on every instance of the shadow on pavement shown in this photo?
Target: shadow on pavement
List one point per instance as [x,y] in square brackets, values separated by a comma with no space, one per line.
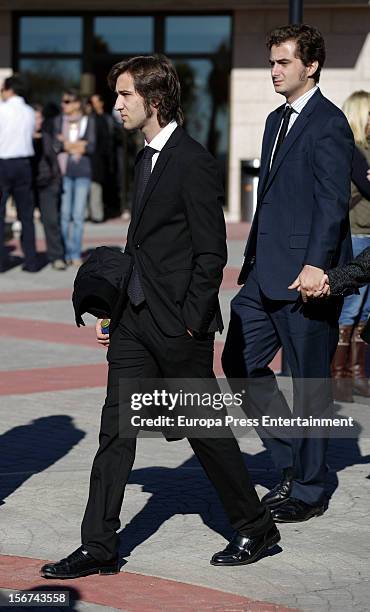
[342,453]
[186,490]
[174,491]
[32,448]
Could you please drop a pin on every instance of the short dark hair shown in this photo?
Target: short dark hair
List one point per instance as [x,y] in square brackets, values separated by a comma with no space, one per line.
[96,95]
[73,93]
[17,84]
[309,41]
[38,107]
[156,81]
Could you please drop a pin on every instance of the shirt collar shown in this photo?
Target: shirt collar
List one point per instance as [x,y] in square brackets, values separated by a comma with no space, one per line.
[301,102]
[162,137]
[15,100]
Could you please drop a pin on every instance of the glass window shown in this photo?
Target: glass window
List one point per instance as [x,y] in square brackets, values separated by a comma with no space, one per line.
[205,90]
[197,34]
[123,34]
[50,34]
[47,78]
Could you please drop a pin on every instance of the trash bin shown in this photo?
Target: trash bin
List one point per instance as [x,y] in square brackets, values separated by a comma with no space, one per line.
[249,173]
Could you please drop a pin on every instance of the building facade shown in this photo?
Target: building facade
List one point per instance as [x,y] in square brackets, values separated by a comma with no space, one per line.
[217,46]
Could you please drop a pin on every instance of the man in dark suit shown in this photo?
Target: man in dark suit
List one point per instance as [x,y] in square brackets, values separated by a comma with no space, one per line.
[299,230]
[165,328]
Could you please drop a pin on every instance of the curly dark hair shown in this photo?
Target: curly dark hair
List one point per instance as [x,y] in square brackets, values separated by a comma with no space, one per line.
[309,41]
[156,81]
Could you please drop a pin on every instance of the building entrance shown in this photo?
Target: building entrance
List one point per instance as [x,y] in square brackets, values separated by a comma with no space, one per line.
[59,51]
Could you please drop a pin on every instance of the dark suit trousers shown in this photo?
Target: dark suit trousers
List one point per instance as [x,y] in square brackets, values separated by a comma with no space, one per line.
[48,200]
[139,349]
[259,327]
[16,180]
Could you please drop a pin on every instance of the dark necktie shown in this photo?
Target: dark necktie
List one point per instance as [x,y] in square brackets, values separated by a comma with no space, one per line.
[144,176]
[135,291]
[283,130]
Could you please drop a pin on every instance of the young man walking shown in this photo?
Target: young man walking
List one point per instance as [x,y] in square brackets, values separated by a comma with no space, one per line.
[176,241]
[300,229]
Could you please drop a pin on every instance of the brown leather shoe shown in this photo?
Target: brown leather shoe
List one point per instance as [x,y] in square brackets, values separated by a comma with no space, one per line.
[360,382]
[340,366]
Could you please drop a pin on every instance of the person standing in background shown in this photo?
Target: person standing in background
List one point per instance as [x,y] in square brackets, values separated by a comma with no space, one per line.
[121,145]
[17,122]
[75,143]
[348,366]
[47,188]
[102,159]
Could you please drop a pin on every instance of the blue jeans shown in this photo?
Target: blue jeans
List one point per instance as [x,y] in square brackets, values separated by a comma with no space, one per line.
[357,307]
[74,200]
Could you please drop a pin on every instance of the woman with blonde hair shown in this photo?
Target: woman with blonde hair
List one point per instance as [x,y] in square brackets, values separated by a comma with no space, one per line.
[348,366]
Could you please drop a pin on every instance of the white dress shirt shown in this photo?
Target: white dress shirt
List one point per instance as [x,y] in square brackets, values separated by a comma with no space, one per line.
[297,106]
[160,140]
[17,124]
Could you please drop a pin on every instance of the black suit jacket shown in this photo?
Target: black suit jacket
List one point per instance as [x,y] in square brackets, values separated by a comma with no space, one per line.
[177,240]
[303,201]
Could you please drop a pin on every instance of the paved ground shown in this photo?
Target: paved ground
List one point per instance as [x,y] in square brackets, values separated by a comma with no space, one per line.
[52,380]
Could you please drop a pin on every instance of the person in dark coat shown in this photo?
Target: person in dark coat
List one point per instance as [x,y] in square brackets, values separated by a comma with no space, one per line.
[176,249]
[300,229]
[348,365]
[47,188]
[101,159]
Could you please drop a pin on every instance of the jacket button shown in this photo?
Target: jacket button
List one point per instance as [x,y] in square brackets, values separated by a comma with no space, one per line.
[137,246]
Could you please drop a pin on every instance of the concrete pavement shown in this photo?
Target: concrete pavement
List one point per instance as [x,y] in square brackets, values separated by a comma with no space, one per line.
[52,378]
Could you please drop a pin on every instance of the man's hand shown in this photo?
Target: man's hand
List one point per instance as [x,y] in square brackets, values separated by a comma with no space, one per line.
[368,175]
[102,339]
[308,281]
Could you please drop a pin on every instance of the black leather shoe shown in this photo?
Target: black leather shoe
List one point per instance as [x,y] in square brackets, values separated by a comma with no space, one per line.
[281,491]
[77,564]
[243,550]
[30,268]
[295,511]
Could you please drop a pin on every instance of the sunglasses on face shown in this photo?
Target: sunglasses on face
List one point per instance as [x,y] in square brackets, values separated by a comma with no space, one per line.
[66,101]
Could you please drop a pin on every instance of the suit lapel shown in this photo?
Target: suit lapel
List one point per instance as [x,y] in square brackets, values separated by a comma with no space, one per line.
[266,155]
[158,169]
[297,128]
